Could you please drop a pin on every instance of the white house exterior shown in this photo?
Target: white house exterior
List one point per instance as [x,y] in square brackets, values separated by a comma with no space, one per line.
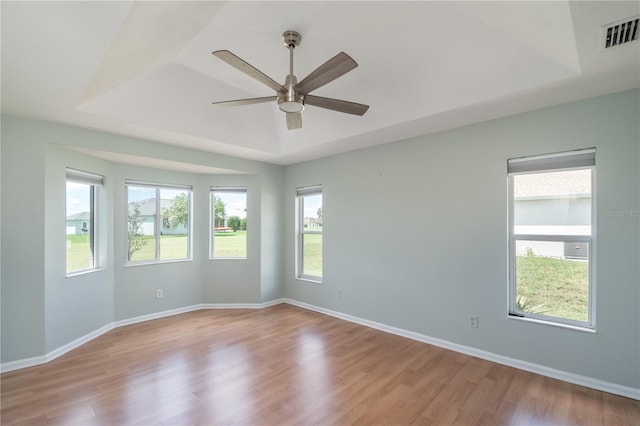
[567,212]
[78,224]
[147,215]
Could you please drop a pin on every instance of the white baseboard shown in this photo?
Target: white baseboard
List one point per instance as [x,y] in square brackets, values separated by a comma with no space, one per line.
[22,363]
[577,379]
[30,362]
[156,315]
[78,342]
[241,305]
[43,359]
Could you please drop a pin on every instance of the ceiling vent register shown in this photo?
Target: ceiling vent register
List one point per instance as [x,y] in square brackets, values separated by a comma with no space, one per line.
[621,32]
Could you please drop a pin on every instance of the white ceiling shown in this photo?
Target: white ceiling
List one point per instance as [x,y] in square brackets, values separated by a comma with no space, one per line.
[145,69]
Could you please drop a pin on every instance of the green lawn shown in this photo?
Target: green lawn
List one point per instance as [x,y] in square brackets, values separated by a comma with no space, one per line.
[171,247]
[558,287]
[230,244]
[312,264]
[227,244]
[78,253]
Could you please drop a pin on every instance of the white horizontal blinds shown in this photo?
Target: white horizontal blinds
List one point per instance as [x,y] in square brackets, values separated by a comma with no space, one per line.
[80,176]
[129,182]
[564,160]
[309,190]
[227,189]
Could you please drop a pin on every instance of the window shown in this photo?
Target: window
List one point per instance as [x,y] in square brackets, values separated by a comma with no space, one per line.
[81,220]
[158,222]
[228,223]
[309,230]
[551,211]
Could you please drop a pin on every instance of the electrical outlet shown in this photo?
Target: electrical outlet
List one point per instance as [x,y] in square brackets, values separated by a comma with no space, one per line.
[159,293]
[473,321]
[339,293]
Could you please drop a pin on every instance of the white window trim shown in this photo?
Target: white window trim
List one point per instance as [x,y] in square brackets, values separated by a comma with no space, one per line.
[96,181]
[300,232]
[578,160]
[158,224]
[229,189]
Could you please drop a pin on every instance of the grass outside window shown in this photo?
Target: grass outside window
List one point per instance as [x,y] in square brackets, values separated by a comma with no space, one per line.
[313,254]
[553,287]
[230,244]
[79,256]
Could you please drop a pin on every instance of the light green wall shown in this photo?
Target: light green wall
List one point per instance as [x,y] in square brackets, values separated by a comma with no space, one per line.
[135,286]
[234,280]
[43,310]
[415,235]
[23,309]
[74,306]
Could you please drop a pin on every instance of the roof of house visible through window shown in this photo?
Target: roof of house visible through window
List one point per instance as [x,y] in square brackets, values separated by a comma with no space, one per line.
[553,184]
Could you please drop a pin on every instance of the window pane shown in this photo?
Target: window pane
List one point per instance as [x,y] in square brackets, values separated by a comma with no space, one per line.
[552,203]
[312,213]
[312,254]
[79,226]
[311,230]
[552,279]
[141,223]
[229,210]
[174,234]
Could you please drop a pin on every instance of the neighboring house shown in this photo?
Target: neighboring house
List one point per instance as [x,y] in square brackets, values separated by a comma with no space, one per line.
[78,224]
[567,212]
[312,222]
[147,215]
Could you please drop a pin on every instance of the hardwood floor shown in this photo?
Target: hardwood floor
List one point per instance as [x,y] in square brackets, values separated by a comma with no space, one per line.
[286,365]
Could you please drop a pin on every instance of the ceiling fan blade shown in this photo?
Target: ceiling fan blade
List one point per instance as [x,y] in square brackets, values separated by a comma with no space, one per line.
[248,101]
[248,69]
[294,120]
[336,105]
[327,72]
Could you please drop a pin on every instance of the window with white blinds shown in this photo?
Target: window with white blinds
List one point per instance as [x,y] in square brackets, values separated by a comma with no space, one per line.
[81,221]
[228,219]
[309,226]
[552,237]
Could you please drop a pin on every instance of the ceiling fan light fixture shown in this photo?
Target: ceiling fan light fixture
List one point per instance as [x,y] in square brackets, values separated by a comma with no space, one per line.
[291,106]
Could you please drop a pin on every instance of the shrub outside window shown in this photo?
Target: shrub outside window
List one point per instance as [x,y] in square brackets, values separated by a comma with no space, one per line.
[551,211]
[228,233]
[158,222]
[309,231]
[81,220]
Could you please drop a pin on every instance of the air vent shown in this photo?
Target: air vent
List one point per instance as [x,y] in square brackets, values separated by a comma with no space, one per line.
[620,32]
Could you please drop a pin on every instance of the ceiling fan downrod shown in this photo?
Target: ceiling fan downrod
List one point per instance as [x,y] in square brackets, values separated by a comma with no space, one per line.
[291,101]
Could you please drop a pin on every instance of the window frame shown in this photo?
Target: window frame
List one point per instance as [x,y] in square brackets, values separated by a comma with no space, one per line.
[95,182]
[158,225]
[583,159]
[229,190]
[301,193]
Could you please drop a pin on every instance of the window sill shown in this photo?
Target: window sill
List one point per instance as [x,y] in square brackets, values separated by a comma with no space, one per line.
[155,262]
[309,280]
[583,329]
[85,272]
[227,258]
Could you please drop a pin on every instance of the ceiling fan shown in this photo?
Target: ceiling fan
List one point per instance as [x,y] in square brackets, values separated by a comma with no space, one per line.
[293,96]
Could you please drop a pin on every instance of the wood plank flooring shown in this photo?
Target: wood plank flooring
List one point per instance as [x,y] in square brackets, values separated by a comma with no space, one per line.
[286,365]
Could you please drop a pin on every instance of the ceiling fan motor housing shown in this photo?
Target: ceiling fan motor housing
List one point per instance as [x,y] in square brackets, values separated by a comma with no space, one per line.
[291,100]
